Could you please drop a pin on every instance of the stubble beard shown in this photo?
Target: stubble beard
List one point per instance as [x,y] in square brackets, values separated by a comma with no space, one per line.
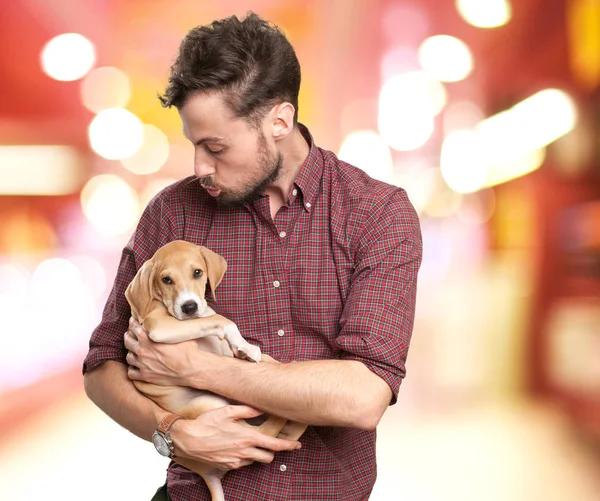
[271,168]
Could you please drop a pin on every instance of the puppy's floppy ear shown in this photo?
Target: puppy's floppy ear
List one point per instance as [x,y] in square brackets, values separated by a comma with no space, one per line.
[140,292]
[216,267]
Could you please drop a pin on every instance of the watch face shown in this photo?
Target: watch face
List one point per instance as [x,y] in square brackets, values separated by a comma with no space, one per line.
[161,445]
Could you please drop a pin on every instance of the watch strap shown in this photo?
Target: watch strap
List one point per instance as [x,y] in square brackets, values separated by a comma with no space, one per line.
[166,422]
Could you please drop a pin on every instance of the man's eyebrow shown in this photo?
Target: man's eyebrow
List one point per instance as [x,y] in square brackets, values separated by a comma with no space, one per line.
[210,139]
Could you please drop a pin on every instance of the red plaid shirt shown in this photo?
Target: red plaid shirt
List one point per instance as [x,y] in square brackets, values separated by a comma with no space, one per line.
[333,277]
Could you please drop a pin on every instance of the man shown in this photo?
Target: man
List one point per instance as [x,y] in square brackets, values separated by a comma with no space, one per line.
[322,270]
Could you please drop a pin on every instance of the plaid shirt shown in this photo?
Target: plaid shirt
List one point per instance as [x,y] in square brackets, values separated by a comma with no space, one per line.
[333,277]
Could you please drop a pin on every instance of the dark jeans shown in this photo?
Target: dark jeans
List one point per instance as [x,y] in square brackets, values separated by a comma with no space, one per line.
[162,494]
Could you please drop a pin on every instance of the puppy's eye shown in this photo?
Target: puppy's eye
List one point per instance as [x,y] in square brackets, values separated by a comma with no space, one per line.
[167,280]
[197,273]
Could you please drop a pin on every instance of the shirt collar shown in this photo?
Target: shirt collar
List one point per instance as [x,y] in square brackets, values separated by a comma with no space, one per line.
[310,175]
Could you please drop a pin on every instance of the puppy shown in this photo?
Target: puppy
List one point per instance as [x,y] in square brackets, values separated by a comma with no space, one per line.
[167,298]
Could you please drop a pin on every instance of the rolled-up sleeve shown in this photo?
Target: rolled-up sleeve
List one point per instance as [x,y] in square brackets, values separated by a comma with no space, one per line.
[378,317]
[156,227]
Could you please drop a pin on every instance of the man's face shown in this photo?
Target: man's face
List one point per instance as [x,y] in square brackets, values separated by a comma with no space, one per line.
[232,161]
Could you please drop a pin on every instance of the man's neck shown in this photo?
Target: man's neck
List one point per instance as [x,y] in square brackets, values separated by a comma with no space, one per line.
[294,152]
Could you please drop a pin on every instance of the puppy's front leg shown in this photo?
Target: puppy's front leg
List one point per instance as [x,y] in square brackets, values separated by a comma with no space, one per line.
[240,347]
[163,328]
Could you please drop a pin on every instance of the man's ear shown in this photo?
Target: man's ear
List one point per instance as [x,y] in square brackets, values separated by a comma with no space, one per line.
[215,268]
[282,119]
[140,292]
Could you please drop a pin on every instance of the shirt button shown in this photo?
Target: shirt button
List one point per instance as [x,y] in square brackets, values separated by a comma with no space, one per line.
[308,204]
[276,283]
[283,467]
[283,234]
[280,332]
[294,192]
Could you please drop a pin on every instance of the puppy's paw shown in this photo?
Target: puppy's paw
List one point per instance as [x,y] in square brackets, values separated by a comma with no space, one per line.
[249,352]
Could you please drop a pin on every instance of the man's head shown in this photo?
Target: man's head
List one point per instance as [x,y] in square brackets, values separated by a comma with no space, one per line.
[235,84]
[249,61]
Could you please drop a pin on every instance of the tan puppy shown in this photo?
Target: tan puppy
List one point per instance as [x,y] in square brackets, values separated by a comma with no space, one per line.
[167,298]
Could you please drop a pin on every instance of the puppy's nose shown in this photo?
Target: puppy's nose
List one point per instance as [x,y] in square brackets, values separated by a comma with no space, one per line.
[189,307]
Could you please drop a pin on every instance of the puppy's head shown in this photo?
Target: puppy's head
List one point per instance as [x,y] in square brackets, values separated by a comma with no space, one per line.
[177,275]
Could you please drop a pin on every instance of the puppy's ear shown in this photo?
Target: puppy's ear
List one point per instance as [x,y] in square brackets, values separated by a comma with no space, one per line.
[140,292]
[216,267]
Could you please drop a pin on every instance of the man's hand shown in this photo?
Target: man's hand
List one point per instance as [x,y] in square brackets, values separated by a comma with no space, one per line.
[157,363]
[217,438]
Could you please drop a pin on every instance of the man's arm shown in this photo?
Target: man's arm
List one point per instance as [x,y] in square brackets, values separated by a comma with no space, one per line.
[320,392]
[375,331]
[214,437]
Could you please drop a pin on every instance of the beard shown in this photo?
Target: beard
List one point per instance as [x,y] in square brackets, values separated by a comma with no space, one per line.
[270,168]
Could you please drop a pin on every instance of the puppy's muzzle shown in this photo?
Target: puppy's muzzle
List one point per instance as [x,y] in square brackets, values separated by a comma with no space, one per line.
[189,307]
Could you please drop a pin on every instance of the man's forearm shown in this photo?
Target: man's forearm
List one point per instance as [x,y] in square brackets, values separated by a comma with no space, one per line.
[321,392]
[111,390]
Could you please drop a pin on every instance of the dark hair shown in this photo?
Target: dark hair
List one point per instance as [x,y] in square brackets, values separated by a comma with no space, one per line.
[249,60]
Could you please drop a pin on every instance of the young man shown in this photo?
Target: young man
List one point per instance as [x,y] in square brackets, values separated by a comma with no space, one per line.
[322,271]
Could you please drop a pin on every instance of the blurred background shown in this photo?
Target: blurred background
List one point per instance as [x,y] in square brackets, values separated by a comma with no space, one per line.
[486,111]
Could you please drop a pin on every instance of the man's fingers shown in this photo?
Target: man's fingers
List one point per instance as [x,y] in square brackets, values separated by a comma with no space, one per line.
[236,412]
[131,358]
[260,455]
[276,444]
[133,373]
[131,343]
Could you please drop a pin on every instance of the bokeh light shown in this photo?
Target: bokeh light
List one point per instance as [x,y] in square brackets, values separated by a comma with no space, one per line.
[92,273]
[446,58]
[151,155]
[408,104]
[477,208]
[419,179]
[462,162]
[461,115]
[116,133]
[104,88]
[68,57]
[110,204]
[444,201]
[366,150]
[485,13]
[13,287]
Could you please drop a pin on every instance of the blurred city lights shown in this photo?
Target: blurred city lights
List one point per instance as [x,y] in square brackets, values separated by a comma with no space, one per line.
[485,13]
[110,204]
[507,145]
[461,115]
[13,287]
[54,280]
[408,104]
[68,57]
[92,273]
[152,154]
[462,162]
[401,59]
[105,87]
[366,150]
[446,58]
[419,180]
[504,170]
[542,118]
[39,170]
[477,208]
[444,201]
[404,22]
[116,133]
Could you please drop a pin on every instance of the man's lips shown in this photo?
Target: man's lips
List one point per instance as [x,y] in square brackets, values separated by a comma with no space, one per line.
[213,192]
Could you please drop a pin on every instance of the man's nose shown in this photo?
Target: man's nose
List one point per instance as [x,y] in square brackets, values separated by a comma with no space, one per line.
[203,166]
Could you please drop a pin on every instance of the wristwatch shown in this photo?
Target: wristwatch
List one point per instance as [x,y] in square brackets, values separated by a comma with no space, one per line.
[161,437]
